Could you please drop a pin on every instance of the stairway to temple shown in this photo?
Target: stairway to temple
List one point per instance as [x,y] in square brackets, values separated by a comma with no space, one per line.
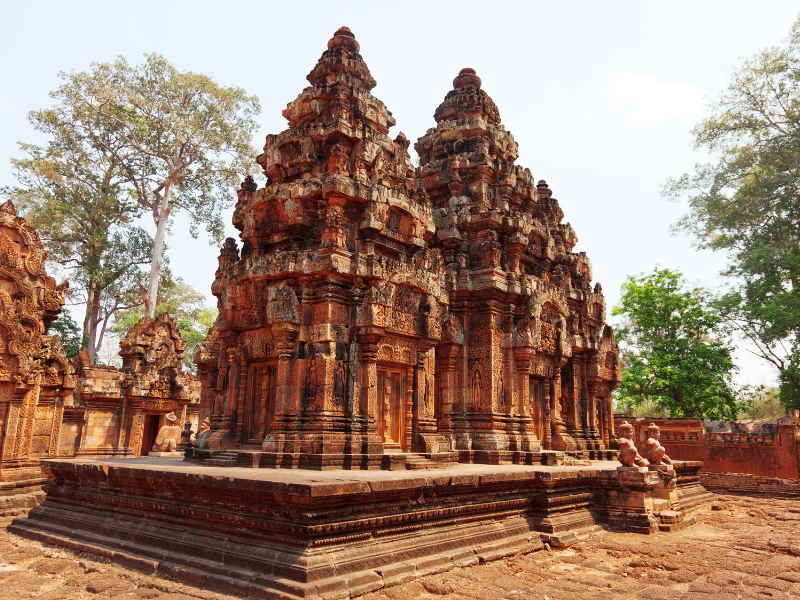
[399,461]
[228,458]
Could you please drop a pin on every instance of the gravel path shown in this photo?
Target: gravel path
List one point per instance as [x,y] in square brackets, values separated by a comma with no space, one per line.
[741,547]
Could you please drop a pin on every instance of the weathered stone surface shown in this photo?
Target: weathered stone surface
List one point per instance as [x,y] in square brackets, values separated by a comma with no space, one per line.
[322,356]
[527,360]
[316,529]
[717,558]
[376,310]
[121,412]
[36,379]
[770,450]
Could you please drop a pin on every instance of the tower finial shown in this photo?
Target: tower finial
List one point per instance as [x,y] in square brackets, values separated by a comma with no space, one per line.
[467,78]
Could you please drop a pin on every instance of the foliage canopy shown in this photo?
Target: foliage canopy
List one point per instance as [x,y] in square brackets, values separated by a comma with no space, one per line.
[182,141]
[72,191]
[680,357]
[746,203]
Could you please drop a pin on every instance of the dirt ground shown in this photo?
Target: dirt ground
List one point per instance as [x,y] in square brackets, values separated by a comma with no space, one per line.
[741,547]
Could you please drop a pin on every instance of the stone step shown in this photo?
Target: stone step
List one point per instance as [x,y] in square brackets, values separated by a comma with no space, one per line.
[221,462]
[196,570]
[670,520]
[429,461]
[565,539]
[226,458]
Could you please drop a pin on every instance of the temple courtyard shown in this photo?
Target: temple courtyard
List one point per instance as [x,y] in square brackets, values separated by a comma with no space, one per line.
[740,547]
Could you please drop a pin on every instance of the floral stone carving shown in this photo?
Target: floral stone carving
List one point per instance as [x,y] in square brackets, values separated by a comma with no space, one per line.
[537,365]
[36,379]
[376,309]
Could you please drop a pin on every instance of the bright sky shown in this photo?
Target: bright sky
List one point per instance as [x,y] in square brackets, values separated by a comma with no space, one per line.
[600,96]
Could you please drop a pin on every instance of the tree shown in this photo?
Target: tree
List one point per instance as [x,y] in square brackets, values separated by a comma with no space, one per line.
[185,304]
[746,203]
[681,358]
[182,140]
[73,192]
[69,332]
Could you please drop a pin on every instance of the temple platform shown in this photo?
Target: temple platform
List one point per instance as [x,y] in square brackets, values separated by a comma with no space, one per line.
[284,533]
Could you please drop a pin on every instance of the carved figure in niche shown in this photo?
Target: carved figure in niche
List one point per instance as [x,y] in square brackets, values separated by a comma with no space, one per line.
[628,454]
[339,383]
[656,453]
[475,387]
[337,161]
[312,377]
[452,331]
[168,435]
[564,339]
[284,305]
[361,170]
[501,392]
[377,168]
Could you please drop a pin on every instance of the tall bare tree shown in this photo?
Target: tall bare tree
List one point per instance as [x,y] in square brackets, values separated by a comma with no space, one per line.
[182,140]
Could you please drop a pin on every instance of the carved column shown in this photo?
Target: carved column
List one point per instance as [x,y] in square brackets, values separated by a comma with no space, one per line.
[550,421]
[447,359]
[285,335]
[522,358]
[591,406]
[369,381]
[415,381]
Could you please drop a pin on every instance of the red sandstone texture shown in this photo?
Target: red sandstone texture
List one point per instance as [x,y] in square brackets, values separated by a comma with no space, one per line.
[374,308]
[35,376]
[51,406]
[118,412]
[771,451]
[742,547]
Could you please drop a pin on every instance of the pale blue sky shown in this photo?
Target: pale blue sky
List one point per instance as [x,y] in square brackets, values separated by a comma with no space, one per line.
[600,96]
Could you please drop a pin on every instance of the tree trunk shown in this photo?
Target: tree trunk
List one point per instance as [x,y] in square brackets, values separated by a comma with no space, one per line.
[158,251]
[90,320]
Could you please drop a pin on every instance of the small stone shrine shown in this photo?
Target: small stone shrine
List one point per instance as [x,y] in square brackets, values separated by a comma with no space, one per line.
[375,311]
[123,410]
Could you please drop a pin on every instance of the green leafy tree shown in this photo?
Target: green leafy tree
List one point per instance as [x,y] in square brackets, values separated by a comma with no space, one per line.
[74,192]
[185,305]
[681,360]
[67,329]
[746,203]
[183,141]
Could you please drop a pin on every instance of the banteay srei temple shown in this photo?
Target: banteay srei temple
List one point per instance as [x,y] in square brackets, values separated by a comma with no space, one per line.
[51,406]
[410,370]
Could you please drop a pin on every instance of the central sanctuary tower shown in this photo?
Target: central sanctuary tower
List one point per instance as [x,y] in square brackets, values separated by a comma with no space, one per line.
[378,316]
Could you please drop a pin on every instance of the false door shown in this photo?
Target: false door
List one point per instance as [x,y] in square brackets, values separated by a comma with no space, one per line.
[260,408]
[538,410]
[391,408]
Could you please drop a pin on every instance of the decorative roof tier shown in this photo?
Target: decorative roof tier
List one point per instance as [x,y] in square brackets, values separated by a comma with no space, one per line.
[512,275]
[334,259]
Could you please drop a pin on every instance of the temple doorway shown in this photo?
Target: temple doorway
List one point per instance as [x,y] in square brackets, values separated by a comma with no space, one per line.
[538,411]
[391,409]
[149,433]
[260,407]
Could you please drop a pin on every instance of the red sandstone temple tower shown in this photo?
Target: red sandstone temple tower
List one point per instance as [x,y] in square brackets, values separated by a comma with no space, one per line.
[525,360]
[36,379]
[323,354]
